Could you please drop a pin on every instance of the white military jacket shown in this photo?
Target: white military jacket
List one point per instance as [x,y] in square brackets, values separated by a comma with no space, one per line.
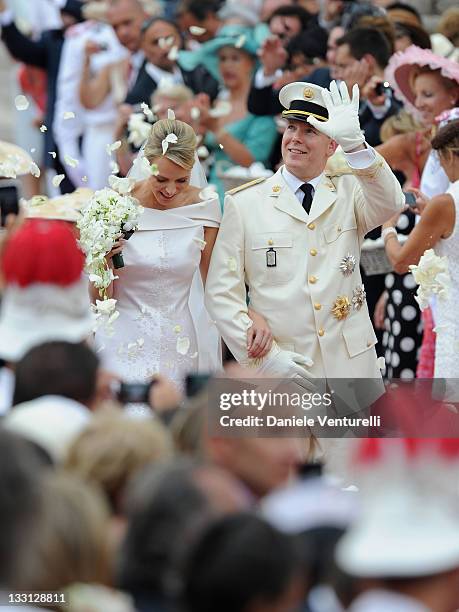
[302,270]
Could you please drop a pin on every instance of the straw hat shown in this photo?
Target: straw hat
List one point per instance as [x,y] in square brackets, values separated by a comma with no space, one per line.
[62,208]
[14,161]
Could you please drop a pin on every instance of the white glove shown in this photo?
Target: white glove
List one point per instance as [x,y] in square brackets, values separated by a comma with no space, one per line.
[343,123]
[285,364]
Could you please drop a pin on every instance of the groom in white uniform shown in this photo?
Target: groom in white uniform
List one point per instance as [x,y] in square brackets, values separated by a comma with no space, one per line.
[295,238]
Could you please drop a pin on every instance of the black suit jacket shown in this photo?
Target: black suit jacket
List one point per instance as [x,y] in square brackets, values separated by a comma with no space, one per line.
[198,80]
[265,101]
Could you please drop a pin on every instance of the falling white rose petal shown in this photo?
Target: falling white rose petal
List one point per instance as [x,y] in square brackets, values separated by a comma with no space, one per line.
[381,363]
[162,43]
[173,54]
[21,103]
[70,161]
[68,115]
[53,154]
[43,129]
[34,170]
[203,152]
[140,342]
[57,180]
[200,243]
[115,168]
[195,113]
[113,147]
[170,139]
[170,41]
[197,30]
[240,41]
[452,408]
[122,185]
[194,355]
[177,329]
[183,345]
[222,109]
[33,150]
[170,114]
[147,111]
[232,264]
[84,179]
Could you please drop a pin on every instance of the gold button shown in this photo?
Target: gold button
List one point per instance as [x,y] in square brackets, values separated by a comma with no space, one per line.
[317,306]
[312,279]
[270,241]
[369,343]
[339,228]
[312,226]
[313,252]
[321,332]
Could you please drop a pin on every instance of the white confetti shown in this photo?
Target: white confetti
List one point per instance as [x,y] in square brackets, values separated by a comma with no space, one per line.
[162,43]
[21,103]
[115,168]
[84,179]
[57,180]
[113,147]
[381,363]
[195,113]
[43,129]
[34,170]
[68,115]
[173,53]
[170,114]
[177,329]
[183,345]
[170,41]
[194,355]
[53,154]
[33,150]
[197,30]
[232,264]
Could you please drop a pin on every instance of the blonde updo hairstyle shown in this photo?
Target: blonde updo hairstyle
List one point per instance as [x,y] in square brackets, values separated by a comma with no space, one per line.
[182,152]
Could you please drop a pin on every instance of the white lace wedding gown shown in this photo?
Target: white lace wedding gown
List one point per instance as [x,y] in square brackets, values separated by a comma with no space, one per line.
[163,326]
[447,321]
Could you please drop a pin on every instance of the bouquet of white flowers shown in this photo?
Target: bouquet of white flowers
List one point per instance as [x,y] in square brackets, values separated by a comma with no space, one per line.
[107,216]
[432,276]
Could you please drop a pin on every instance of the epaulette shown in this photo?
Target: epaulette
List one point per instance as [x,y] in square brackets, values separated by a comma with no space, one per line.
[245,185]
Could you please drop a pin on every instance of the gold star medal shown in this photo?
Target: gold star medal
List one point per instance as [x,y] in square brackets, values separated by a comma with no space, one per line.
[358,297]
[341,307]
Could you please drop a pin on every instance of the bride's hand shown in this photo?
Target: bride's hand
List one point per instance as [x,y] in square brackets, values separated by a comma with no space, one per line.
[259,336]
[117,248]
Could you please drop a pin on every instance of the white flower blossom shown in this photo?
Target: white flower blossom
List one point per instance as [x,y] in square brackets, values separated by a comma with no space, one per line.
[138,129]
[170,139]
[43,128]
[432,276]
[105,314]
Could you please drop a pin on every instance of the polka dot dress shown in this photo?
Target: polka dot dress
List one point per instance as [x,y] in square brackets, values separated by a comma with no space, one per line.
[403,327]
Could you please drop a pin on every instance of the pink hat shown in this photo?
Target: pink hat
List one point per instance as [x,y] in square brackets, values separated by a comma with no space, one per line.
[400,69]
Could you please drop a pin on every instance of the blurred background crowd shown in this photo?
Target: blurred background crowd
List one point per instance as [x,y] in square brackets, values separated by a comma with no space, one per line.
[159,514]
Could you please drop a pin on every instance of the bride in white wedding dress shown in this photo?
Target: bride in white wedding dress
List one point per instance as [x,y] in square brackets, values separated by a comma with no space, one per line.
[163,326]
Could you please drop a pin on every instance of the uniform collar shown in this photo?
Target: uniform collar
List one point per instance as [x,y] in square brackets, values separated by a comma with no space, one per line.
[295,183]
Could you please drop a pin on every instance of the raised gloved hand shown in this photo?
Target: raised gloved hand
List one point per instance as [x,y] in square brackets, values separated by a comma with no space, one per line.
[343,124]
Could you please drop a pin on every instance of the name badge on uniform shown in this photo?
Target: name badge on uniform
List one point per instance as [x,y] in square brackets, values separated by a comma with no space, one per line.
[271,258]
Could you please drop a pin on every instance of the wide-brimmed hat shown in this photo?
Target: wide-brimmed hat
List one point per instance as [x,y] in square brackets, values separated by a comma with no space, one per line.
[302,100]
[408,525]
[46,295]
[241,37]
[62,208]
[402,67]
[13,158]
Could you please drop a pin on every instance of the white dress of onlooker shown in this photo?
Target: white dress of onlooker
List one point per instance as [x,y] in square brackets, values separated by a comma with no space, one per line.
[95,127]
[447,321]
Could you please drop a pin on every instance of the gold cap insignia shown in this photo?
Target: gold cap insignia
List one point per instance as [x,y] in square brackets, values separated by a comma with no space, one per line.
[341,307]
[308,93]
[276,188]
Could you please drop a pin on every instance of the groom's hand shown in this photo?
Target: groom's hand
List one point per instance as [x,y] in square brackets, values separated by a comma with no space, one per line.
[343,123]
